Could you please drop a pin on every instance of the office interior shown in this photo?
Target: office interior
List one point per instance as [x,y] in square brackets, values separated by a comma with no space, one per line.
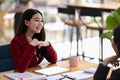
[57,32]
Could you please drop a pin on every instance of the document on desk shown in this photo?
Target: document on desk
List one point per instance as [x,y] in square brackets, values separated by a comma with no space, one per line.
[24,76]
[17,75]
[41,77]
[81,74]
[52,70]
[76,75]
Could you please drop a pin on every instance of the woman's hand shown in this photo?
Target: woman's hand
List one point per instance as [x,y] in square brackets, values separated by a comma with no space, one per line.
[43,44]
[34,42]
[40,44]
[113,60]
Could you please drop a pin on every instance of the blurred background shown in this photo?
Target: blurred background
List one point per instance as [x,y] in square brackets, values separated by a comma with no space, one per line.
[56,30]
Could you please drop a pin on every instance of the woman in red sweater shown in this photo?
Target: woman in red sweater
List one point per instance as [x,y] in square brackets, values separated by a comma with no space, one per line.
[29,47]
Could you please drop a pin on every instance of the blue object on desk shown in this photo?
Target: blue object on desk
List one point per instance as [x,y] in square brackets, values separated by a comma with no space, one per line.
[6,62]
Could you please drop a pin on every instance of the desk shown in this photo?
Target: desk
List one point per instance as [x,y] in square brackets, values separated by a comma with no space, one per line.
[96,7]
[107,7]
[82,65]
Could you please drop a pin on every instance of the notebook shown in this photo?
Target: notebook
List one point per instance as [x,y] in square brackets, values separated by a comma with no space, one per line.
[52,70]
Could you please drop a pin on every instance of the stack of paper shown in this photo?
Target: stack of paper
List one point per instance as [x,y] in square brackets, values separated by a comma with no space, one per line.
[76,75]
[52,70]
[41,77]
[82,74]
[24,76]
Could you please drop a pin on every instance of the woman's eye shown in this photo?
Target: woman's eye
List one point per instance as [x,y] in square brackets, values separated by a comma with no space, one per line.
[37,20]
[41,21]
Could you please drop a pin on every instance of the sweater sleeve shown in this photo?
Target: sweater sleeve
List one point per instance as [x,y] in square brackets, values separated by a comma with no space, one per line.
[22,57]
[50,54]
[101,72]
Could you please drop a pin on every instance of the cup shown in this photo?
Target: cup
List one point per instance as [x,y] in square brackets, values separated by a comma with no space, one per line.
[73,60]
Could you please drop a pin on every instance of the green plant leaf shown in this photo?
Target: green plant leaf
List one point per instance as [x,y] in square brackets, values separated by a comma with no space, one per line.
[107,35]
[2,0]
[116,16]
[118,10]
[111,22]
[118,19]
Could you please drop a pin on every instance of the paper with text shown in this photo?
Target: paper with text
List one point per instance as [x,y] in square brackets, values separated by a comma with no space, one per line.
[41,77]
[19,76]
[82,74]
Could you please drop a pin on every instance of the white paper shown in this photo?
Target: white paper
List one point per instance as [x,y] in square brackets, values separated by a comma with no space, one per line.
[81,75]
[52,70]
[41,77]
[76,75]
[17,75]
[56,77]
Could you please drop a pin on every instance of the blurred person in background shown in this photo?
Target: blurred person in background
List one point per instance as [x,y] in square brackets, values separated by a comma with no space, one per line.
[20,7]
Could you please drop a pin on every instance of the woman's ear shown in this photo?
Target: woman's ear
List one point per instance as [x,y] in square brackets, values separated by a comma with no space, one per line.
[26,22]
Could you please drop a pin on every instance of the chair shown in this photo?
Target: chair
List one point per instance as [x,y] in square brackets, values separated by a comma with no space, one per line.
[6,62]
[72,23]
[95,25]
[99,26]
[64,15]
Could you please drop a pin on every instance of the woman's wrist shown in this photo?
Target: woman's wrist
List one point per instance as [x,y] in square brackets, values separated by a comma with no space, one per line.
[105,63]
[48,43]
[111,60]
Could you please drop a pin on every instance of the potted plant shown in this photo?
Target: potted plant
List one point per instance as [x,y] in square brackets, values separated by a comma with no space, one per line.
[112,21]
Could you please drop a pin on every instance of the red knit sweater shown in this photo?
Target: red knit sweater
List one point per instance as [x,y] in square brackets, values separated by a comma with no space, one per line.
[24,54]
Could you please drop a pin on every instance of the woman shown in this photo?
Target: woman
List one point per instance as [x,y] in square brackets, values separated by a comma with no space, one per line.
[29,47]
[103,69]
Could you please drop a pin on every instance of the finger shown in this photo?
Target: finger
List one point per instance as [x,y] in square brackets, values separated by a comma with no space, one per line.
[39,47]
[117,63]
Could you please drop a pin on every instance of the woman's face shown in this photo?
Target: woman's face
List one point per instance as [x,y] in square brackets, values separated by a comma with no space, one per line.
[35,24]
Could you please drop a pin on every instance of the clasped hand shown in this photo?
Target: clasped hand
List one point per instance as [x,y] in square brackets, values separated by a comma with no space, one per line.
[112,60]
[39,44]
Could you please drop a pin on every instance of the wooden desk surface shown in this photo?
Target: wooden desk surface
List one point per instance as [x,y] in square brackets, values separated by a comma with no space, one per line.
[82,65]
[105,7]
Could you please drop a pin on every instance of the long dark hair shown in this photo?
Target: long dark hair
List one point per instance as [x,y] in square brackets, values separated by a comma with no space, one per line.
[116,38]
[22,28]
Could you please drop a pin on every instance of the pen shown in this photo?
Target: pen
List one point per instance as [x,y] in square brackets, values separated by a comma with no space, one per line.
[71,78]
[90,72]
